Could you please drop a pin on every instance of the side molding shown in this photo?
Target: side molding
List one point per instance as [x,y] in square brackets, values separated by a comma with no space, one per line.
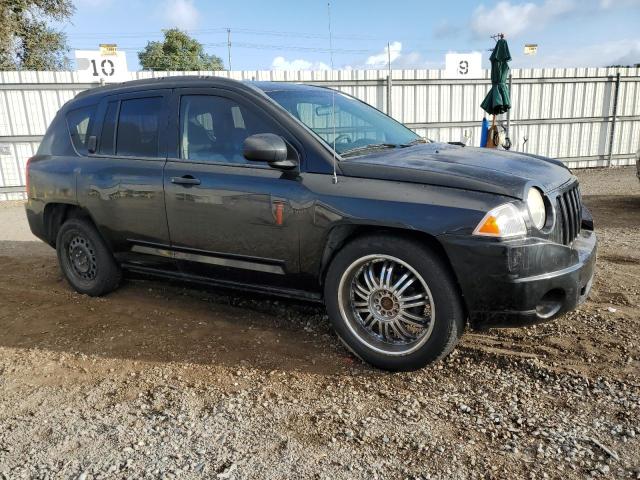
[210,259]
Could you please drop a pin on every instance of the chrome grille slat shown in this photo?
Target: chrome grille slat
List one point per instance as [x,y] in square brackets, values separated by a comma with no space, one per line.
[568,215]
[579,196]
[565,220]
[574,212]
[571,210]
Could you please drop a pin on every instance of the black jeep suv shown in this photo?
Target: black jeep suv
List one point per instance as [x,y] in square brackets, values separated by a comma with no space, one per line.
[306,192]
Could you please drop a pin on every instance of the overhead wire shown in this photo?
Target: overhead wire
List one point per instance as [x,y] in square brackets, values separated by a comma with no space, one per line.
[155,35]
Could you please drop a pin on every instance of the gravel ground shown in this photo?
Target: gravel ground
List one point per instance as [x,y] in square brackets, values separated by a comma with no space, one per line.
[161,381]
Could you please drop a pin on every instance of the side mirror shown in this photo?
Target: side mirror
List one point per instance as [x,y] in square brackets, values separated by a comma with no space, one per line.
[270,148]
[91,144]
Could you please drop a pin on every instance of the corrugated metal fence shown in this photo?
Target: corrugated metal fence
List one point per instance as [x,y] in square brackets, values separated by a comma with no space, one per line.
[567,114]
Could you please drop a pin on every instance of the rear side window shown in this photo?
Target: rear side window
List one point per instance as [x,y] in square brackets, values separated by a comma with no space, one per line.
[138,127]
[78,121]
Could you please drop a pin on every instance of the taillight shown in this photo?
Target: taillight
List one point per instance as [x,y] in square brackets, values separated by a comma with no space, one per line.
[27,175]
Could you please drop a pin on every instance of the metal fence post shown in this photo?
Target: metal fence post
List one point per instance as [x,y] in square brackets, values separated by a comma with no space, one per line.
[613,117]
[509,111]
[389,87]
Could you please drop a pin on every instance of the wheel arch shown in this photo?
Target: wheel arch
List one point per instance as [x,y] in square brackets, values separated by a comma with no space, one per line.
[55,214]
[340,235]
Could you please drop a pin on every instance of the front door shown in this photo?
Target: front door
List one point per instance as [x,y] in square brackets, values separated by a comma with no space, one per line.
[227,216]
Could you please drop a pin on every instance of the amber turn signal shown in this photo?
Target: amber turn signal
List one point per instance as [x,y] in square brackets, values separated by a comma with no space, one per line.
[490,226]
[504,221]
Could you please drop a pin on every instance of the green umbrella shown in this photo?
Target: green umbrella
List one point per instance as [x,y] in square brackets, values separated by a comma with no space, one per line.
[497,100]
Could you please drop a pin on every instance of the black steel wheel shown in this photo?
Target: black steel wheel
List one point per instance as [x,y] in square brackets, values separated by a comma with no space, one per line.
[85,260]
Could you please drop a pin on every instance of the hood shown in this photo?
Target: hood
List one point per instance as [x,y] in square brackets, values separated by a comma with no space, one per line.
[481,169]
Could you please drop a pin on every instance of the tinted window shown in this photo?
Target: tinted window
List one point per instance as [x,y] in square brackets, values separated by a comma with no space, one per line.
[214,128]
[78,121]
[138,126]
[108,134]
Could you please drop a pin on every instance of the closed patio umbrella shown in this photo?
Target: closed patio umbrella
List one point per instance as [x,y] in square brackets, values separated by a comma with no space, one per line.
[497,100]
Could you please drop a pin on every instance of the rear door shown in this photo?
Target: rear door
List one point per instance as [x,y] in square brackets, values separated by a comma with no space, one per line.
[121,184]
[228,216]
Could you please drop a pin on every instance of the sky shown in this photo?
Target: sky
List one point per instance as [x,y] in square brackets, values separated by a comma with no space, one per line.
[293,35]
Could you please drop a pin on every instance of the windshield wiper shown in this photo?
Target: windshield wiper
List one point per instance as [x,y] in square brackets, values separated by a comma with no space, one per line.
[371,146]
[413,142]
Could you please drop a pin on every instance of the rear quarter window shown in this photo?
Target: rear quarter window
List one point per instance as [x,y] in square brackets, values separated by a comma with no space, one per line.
[79,122]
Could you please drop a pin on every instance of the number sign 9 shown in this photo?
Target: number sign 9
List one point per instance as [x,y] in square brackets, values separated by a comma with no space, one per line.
[463,65]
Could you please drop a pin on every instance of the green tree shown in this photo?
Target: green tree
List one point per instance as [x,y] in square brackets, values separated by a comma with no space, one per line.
[27,42]
[177,52]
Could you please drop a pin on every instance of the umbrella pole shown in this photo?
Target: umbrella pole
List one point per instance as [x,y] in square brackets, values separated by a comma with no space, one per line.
[492,133]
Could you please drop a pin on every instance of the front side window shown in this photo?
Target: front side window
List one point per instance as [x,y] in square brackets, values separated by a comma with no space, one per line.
[78,122]
[138,127]
[213,129]
[357,124]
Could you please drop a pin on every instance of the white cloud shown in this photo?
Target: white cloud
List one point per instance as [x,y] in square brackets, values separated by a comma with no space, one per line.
[618,3]
[412,60]
[615,52]
[281,63]
[513,19]
[181,13]
[399,59]
[377,61]
[382,59]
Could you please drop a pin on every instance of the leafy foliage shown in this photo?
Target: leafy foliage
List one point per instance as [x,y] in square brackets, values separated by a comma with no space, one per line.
[177,52]
[635,65]
[27,42]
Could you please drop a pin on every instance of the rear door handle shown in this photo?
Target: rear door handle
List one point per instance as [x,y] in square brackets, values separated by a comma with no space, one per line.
[185,180]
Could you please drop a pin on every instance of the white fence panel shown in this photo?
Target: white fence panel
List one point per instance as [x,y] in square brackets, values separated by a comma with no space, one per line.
[561,113]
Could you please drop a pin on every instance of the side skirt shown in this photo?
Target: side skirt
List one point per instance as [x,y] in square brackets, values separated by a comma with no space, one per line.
[216,282]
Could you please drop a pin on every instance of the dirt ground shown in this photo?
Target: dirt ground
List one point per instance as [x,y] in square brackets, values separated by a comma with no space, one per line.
[164,381]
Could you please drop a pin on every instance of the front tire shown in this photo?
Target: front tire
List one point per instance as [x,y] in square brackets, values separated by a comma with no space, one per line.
[85,260]
[393,302]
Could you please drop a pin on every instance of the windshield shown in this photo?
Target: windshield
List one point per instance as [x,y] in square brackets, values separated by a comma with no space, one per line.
[359,128]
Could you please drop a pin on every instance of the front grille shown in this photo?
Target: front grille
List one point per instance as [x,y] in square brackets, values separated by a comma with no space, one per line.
[568,215]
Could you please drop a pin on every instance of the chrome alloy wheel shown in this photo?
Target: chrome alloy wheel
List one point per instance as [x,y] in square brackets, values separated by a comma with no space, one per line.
[82,258]
[386,304]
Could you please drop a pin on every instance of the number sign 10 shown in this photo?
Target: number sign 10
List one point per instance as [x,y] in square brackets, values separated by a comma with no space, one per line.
[107,68]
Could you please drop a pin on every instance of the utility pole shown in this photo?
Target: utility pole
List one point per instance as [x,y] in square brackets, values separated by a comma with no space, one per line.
[229,48]
[389,81]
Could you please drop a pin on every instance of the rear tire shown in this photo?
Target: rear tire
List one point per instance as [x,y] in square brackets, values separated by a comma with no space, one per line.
[85,260]
[393,302]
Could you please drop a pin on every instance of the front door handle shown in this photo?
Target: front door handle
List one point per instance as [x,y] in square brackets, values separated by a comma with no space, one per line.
[185,180]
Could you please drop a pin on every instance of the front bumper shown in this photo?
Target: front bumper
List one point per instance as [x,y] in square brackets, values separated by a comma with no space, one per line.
[523,282]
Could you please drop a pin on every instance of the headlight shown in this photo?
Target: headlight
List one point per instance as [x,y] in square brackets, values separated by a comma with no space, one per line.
[502,222]
[537,209]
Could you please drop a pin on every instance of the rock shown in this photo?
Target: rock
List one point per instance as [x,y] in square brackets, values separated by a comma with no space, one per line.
[228,472]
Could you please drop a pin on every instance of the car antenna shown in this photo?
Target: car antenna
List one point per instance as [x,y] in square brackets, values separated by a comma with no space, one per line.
[333,95]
